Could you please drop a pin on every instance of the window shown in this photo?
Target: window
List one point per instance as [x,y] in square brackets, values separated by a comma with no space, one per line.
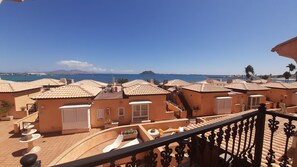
[140,112]
[223,105]
[254,101]
[100,113]
[107,111]
[121,111]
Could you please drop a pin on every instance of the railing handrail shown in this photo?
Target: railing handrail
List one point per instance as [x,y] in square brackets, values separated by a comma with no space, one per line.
[282,115]
[149,145]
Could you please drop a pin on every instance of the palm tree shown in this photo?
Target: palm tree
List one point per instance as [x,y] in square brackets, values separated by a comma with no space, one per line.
[249,72]
[287,75]
[291,67]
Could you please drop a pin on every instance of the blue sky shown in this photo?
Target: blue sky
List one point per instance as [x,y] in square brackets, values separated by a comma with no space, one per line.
[130,36]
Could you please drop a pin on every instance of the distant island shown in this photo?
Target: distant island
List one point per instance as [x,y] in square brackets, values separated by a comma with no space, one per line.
[147,72]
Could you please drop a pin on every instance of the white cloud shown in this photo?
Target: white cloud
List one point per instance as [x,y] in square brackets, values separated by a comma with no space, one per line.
[86,66]
[80,65]
[75,64]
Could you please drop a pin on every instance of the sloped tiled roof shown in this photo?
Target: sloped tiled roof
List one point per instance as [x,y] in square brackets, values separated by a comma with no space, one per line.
[16,87]
[91,83]
[281,85]
[47,82]
[5,81]
[69,91]
[144,89]
[246,86]
[233,81]
[213,81]
[176,82]
[109,95]
[202,87]
[134,82]
[260,81]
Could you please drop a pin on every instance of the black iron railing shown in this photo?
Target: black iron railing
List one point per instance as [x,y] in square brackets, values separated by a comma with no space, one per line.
[287,130]
[237,141]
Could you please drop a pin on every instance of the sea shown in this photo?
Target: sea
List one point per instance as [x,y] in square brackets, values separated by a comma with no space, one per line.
[108,77]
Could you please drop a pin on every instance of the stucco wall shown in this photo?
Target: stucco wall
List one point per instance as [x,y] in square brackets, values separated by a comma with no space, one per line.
[205,101]
[278,95]
[113,105]
[50,118]
[18,100]
[239,101]
[157,109]
[9,98]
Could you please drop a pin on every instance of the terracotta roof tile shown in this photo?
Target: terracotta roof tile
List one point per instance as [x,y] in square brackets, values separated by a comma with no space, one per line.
[236,81]
[5,81]
[176,82]
[47,81]
[134,82]
[260,81]
[91,83]
[281,85]
[109,95]
[16,87]
[213,81]
[69,91]
[202,87]
[246,86]
[144,89]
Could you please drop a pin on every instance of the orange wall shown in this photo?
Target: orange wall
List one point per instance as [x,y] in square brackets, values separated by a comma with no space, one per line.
[18,100]
[237,102]
[50,118]
[157,109]
[113,105]
[205,101]
[9,98]
[278,95]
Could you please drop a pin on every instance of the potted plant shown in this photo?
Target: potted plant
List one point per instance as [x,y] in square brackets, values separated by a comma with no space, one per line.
[129,134]
[4,108]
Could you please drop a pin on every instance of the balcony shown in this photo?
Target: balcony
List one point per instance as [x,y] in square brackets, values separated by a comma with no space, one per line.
[256,138]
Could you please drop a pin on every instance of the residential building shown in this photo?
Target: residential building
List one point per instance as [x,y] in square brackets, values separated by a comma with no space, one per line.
[254,94]
[137,103]
[66,108]
[17,95]
[207,99]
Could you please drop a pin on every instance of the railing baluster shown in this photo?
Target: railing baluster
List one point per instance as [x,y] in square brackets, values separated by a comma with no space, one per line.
[273,126]
[227,137]
[150,159]
[250,146]
[202,143]
[179,156]
[289,131]
[166,156]
[234,133]
[240,130]
[220,134]
[112,164]
[211,143]
[242,155]
[134,162]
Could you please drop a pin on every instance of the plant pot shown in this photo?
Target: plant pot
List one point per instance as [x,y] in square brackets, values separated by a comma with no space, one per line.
[130,135]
